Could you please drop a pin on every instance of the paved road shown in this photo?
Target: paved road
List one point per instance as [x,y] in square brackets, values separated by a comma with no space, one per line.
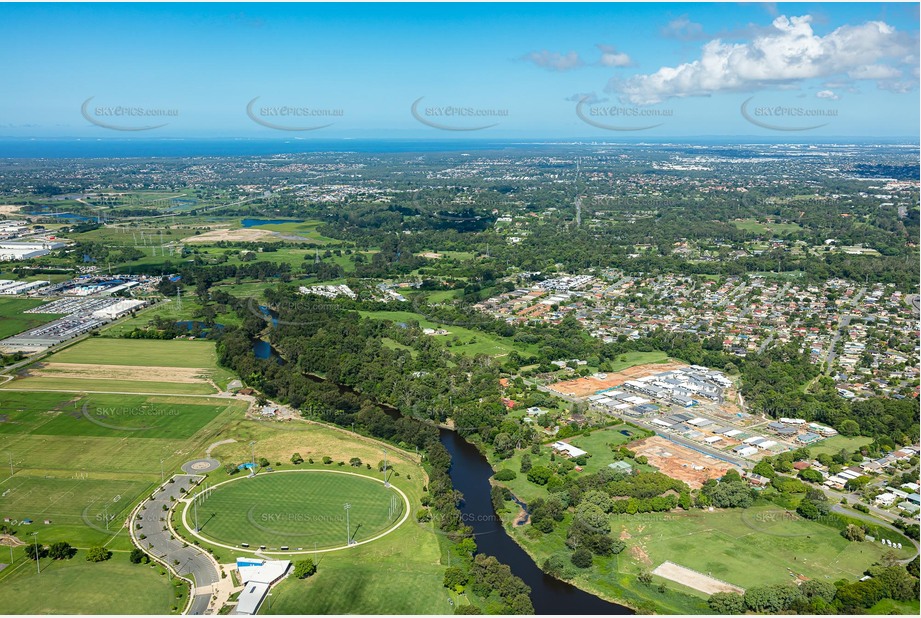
[193,562]
[843,322]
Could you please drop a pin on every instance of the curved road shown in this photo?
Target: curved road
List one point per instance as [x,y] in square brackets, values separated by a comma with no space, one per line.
[837,508]
[193,563]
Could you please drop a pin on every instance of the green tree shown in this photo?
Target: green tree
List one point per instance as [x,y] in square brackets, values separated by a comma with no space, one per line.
[455,576]
[296,459]
[582,558]
[540,475]
[61,550]
[304,569]
[138,556]
[98,554]
[525,463]
[726,603]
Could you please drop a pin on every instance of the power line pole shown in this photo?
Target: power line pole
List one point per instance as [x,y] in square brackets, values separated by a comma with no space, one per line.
[348,527]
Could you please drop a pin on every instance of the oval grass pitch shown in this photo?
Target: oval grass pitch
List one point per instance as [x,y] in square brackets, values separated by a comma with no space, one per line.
[301,510]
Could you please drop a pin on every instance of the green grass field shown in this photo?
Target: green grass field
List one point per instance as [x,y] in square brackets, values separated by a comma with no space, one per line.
[723,543]
[139,353]
[375,578]
[470,342]
[760,545]
[105,415]
[177,353]
[79,509]
[76,586]
[832,445]
[780,229]
[631,359]
[12,319]
[298,509]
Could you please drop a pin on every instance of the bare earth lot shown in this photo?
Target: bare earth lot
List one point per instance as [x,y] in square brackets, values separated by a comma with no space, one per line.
[693,579]
[242,234]
[583,387]
[183,375]
[680,463]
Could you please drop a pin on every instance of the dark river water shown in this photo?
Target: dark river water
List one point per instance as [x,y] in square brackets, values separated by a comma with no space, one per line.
[470,473]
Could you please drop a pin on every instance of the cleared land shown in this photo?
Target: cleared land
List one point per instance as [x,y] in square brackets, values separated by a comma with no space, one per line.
[298,510]
[679,462]
[692,579]
[583,387]
[239,235]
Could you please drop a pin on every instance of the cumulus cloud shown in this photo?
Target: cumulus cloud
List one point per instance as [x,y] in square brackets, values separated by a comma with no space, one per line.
[553,61]
[781,56]
[610,57]
[827,94]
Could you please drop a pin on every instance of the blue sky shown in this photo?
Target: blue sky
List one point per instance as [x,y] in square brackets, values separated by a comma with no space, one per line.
[512,70]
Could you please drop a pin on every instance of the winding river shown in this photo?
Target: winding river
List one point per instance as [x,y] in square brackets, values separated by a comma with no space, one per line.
[470,473]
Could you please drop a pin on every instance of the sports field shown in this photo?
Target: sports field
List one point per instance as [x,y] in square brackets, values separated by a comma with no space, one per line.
[76,586]
[107,415]
[81,511]
[299,509]
[127,366]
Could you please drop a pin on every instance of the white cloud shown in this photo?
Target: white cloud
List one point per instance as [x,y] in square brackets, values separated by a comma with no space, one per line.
[610,57]
[553,61]
[783,55]
[827,94]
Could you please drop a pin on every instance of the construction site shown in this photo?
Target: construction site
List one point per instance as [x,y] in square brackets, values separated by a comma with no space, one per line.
[590,385]
[679,462]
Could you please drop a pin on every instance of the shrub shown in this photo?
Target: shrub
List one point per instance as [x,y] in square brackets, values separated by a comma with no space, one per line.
[582,558]
[505,474]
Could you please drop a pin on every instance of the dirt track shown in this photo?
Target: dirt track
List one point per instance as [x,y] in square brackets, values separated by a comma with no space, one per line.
[583,387]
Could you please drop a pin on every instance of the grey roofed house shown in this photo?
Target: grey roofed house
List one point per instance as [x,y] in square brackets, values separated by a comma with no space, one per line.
[775,426]
[684,416]
[787,431]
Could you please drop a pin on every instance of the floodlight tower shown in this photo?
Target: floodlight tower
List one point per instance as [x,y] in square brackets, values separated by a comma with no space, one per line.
[348,527]
[38,564]
[253,445]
